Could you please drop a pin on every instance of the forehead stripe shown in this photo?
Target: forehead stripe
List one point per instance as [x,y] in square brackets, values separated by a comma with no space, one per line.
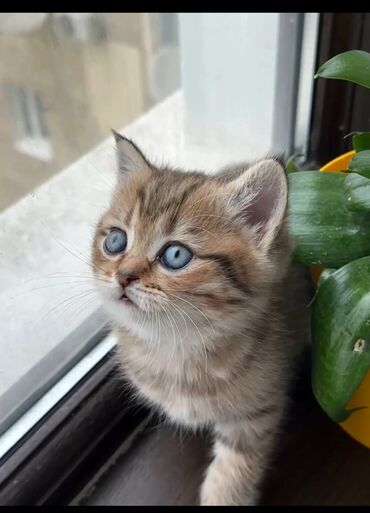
[177,204]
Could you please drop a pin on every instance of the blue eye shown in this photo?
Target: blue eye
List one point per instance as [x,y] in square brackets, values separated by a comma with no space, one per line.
[176,256]
[115,242]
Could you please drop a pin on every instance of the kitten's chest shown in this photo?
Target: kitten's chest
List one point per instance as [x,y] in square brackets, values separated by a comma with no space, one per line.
[181,389]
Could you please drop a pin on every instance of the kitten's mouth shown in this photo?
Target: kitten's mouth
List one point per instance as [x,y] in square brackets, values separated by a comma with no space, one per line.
[125,299]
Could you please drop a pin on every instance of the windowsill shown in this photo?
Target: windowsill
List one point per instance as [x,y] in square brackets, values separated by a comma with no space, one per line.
[316,463]
[95,416]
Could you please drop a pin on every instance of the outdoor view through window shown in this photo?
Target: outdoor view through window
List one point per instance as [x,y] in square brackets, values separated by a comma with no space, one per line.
[66,79]
[192,89]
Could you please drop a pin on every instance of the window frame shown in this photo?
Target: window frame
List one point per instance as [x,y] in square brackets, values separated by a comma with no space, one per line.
[30,134]
[339,107]
[75,422]
[77,344]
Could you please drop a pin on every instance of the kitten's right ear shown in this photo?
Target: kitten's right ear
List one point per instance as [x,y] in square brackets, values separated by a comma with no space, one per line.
[258,198]
[129,157]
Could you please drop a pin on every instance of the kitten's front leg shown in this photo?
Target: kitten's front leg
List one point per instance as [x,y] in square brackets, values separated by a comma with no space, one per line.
[242,454]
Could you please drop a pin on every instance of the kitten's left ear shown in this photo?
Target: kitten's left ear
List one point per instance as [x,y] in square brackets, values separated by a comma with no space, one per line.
[258,199]
[129,157]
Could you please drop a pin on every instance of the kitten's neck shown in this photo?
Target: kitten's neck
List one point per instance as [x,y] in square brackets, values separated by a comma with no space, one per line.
[175,351]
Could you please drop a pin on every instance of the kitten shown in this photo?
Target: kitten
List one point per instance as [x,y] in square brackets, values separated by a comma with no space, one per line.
[195,273]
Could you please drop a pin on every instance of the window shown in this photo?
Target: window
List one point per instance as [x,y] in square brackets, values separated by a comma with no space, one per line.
[197,89]
[30,132]
[66,79]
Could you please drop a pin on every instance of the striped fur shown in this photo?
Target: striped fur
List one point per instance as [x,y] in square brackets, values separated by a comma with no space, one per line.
[214,344]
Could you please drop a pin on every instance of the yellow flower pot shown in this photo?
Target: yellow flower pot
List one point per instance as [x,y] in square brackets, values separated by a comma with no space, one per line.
[358,425]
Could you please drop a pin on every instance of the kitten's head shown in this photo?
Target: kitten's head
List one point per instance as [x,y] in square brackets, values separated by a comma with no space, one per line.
[182,253]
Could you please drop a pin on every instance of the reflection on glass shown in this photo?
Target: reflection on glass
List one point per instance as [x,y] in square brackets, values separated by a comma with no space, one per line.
[68,78]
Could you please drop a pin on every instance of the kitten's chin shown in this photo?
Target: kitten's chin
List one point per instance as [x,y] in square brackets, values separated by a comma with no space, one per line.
[125,314]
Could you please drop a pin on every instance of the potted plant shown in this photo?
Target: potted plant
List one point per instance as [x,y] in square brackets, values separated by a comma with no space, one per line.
[330,221]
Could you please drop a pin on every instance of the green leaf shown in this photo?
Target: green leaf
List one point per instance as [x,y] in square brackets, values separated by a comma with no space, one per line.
[325,275]
[325,230]
[353,66]
[291,166]
[357,190]
[361,141]
[341,337]
[360,163]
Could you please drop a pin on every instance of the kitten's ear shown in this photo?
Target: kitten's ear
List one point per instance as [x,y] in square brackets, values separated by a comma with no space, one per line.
[258,199]
[129,157]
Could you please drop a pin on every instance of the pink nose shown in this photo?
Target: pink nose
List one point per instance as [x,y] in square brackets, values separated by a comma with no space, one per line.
[126,277]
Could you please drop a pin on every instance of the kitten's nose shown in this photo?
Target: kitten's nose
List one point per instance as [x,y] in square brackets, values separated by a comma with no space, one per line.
[126,277]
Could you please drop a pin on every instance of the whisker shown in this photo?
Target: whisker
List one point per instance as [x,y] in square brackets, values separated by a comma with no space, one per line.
[180,337]
[77,282]
[82,307]
[57,275]
[76,254]
[67,301]
[196,308]
[174,336]
[200,335]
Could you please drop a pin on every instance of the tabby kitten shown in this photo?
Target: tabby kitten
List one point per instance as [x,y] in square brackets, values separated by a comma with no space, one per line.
[195,273]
